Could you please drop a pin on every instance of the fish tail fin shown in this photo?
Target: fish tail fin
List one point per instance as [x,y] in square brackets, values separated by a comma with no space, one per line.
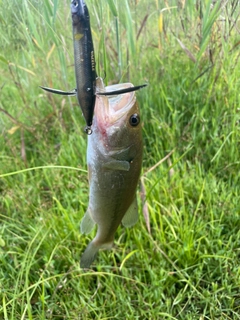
[89,255]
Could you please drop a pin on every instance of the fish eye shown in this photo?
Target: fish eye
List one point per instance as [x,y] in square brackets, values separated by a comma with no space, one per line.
[134,120]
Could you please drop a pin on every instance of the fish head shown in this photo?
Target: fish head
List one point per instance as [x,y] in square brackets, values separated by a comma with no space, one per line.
[79,10]
[116,120]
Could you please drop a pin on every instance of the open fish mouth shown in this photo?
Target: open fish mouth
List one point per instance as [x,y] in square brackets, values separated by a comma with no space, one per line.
[121,101]
[112,109]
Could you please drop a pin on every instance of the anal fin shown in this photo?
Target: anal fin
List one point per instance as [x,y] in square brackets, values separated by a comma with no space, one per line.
[87,223]
[131,216]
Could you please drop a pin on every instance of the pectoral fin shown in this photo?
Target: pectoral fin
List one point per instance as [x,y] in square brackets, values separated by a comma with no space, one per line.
[87,223]
[131,216]
[117,165]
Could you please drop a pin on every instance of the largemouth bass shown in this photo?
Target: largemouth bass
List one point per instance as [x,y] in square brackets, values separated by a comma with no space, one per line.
[114,158]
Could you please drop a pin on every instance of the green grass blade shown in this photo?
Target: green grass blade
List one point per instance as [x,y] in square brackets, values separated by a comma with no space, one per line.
[112,7]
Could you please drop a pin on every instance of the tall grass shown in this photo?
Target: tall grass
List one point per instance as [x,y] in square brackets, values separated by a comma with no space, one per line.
[185,263]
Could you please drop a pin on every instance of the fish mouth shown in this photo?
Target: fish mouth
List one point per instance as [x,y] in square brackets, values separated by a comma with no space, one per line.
[121,101]
[111,110]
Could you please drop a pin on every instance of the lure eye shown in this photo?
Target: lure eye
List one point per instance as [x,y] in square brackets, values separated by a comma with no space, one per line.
[75,3]
[134,120]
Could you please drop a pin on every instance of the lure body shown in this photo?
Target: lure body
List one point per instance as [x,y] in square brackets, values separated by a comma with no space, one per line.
[84,60]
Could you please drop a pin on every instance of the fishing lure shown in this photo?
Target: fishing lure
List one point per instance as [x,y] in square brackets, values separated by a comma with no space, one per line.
[85,66]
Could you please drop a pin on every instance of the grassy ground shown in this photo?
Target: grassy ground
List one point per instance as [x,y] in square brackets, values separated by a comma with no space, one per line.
[187,266]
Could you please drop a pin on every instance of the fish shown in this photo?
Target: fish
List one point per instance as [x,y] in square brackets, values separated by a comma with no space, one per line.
[114,159]
[84,63]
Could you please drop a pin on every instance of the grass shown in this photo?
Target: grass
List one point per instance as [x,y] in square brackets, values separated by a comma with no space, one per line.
[187,266]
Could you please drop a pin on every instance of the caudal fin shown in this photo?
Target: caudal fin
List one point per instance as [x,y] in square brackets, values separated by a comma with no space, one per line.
[89,255]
